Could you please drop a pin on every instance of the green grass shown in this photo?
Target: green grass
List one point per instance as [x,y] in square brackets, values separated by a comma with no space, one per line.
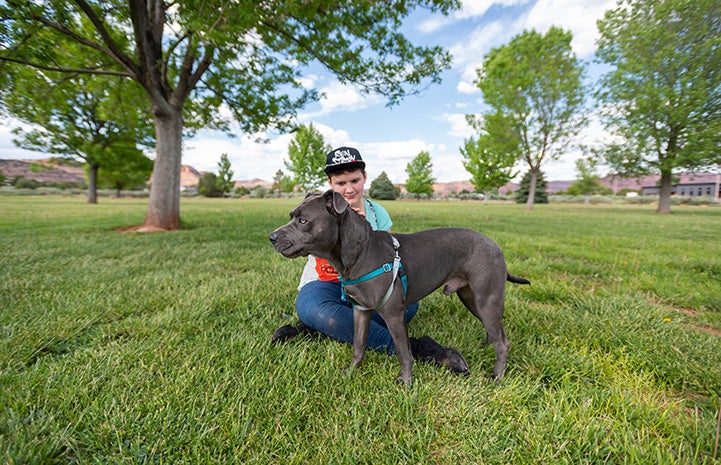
[154,348]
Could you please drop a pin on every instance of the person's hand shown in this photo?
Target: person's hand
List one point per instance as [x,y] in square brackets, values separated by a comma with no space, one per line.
[360,212]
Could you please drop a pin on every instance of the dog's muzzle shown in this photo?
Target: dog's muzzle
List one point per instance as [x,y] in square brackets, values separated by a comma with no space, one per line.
[284,246]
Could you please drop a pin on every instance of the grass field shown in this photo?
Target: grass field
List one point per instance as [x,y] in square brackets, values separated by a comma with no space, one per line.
[155,348]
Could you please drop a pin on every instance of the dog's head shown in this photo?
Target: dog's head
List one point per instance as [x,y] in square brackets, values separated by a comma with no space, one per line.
[313,226]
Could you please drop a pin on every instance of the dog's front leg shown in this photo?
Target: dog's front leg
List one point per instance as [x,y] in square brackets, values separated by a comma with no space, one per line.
[361,327]
[396,322]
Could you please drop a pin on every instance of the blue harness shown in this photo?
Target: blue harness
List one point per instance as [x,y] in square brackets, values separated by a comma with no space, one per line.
[396,267]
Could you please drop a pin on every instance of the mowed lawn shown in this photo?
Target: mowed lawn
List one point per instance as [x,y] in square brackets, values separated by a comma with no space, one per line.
[155,348]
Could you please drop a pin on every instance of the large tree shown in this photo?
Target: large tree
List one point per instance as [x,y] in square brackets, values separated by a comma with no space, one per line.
[199,60]
[307,152]
[97,120]
[225,181]
[382,188]
[533,88]
[662,96]
[420,175]
[490,161]
[587,181]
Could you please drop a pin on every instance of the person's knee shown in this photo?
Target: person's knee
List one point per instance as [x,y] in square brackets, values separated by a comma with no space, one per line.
[315,318]
[328,316]
[307,313]
[411,311]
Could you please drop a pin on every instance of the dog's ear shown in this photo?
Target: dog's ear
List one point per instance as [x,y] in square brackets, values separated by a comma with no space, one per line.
[335,203]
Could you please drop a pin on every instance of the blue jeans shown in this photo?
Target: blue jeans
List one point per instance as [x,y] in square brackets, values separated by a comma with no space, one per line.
[320,307]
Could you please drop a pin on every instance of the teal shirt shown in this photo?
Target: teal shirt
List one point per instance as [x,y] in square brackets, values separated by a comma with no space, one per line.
[377,216]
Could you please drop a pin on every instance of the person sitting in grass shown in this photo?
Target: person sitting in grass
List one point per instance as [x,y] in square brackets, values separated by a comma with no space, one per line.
[319,304]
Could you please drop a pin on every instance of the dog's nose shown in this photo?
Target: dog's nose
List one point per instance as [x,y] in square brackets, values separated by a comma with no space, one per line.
[273,237]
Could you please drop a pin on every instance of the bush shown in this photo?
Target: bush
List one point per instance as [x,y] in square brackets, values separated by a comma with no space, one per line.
[259,192]
[594,199]
[242,191]
[24,183]
[382,188]
[541,196]
[208,185]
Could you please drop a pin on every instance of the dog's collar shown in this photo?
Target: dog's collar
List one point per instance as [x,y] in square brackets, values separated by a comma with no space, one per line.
[395,266]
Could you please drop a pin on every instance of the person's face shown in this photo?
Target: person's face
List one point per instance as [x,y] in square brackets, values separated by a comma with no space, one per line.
[350,185]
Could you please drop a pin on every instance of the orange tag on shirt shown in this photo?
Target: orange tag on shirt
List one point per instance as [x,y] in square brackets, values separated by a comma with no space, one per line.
[325,270]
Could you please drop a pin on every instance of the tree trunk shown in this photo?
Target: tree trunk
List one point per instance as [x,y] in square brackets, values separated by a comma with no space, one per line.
[664,198]
[93,182]
[164,203]
[532,190]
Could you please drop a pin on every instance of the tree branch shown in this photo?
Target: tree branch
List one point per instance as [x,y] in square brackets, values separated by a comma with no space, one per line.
[65,70]
[188,82]
[321,59]
[84,41]
[113,50]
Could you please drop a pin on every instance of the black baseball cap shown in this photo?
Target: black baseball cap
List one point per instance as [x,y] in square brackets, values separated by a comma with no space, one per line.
[343,159]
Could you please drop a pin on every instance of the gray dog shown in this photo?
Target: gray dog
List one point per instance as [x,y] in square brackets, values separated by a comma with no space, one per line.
[385,272]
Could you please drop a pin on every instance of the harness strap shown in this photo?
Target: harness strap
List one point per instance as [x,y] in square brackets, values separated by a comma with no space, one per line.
[395,267]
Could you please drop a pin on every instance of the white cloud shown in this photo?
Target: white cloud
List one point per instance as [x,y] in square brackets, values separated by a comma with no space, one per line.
[8,149]
[469,53]
[448,165]
[478,8]
[248,158]
[308,82]
[434,23]
[340,97]
[467,87]
[470,9]
[459,125]
[577,16]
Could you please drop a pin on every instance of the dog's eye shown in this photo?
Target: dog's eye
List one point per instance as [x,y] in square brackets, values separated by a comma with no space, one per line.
[302,220]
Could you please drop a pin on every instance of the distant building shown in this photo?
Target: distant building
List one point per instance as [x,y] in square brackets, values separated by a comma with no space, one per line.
[704,185]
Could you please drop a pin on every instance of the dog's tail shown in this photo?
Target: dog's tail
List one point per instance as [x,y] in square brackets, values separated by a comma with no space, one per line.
[516,279]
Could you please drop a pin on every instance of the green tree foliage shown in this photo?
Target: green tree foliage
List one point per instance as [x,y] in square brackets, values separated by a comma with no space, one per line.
[224,182]
[524,190]
[194,60]
[420,175]
[489,162]
[587,181]
[307,152]
[98,120]
[533,86]
[129,171]
[20,182]
[382,188]
[661,97]
[283,182]
[208,185]
[242,191]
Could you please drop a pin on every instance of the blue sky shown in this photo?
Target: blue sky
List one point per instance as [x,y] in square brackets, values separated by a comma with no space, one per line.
[388,138]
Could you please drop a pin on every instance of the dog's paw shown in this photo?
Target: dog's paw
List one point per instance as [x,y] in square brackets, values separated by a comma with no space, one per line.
[351,368]
[495,379]
[406,380]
